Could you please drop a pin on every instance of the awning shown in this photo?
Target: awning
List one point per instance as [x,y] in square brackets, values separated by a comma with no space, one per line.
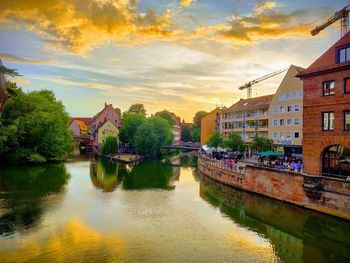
[269,153]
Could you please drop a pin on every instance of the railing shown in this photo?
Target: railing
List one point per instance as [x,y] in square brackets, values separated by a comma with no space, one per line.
[234,167]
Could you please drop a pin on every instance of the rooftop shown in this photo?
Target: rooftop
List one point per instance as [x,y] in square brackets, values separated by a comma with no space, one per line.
[250,104]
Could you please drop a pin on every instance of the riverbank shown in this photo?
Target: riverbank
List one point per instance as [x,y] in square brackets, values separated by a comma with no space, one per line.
[327,195]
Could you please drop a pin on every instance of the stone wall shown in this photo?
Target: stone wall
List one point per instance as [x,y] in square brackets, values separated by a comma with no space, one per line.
[327,195]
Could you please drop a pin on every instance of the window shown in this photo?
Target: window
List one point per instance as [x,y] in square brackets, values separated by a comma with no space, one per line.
[289,121]
[296,135]
[347,85]
[328,88]
[296,107]
[347,120]
[289,134]
[281,122]
[287,96]
[296,121]
[289,108]
[275,135]
[343,55]
[275,110]
[282,97]
[275,123]
[281,135]
[281,109]
[300,94]
[328,119]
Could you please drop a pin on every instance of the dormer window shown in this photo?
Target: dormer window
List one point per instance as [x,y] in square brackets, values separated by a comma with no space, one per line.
[343,55]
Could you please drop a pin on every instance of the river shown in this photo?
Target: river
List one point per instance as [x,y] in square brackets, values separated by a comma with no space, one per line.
[94,211]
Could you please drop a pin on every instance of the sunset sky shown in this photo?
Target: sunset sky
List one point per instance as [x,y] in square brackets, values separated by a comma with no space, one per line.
[183,56]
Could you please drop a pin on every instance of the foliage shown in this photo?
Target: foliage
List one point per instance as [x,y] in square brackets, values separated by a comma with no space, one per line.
[167,115]
[234,142]
[215,140]
[110,145]
[162,129]
[186,133]
[12,88]
[196,134]
[8,71]
[197,118]
[261,143]
[136,108]
[34,128]
[130,124]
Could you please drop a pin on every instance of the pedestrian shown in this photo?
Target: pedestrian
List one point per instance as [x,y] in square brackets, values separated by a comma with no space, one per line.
[299,166]
[292,166]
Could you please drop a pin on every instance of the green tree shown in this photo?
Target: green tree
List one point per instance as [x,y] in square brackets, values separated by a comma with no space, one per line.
[215,140]
[131,122]
[162,129]
[234,142]
[145,139]
[34,128]
[186,133]
[197,118]
[167,115]
[8,71]
[261,143]
[110,146]
[136,108]
[196,134]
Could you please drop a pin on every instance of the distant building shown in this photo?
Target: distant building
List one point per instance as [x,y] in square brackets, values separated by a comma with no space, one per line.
[248,117]
[108,128]
[285,114]
[108,113]
[176,130]
[209,124]
[326,124]
[80,126]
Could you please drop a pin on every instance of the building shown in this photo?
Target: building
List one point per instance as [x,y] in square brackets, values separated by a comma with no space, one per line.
[176,130]
[285,114]
[107,113]
[326,124]
[209,124]
[108,128]
[80,126]
[249,117]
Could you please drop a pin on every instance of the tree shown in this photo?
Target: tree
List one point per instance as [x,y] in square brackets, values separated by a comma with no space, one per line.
[145,139]
[186,133]
[215,140]
[34,128]
[195,134]
[234,142]
[136,108]
[261,143]
[162,129]
[167,115]
[8,71]
[131,122]
[110,146]
[197,119]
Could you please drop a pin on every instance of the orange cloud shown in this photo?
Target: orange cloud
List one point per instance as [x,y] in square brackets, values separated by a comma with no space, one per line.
[186,2]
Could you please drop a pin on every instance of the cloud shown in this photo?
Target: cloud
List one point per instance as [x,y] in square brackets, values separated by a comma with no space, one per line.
[186,2]
[21,60]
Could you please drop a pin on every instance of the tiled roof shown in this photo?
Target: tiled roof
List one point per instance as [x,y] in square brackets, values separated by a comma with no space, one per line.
[85,120]
[249,104]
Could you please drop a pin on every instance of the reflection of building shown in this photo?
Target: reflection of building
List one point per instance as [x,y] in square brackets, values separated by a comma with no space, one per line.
[104,175]
[326,124]
[209,124]
[80,126]
[249,117]
[106,129]
[285,114]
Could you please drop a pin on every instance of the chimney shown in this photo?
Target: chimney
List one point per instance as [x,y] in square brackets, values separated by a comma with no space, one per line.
[105,104]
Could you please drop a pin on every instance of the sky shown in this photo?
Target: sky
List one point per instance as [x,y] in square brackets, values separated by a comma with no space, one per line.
[180,55]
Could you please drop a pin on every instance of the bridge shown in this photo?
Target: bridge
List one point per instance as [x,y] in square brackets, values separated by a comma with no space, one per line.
[184,146]
[85,143]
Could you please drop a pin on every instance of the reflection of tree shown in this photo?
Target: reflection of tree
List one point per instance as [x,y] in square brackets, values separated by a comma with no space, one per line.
[189,160]
[104,175]
[23,189]
[295,233]
[149,175]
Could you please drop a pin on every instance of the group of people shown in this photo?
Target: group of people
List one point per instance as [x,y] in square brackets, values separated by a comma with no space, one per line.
[291,166]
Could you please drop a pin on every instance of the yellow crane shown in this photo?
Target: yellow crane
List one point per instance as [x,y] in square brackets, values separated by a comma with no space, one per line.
[249,84]
[342,15]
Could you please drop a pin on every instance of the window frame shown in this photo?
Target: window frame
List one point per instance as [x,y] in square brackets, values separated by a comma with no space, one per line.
[344,124]
[345,79]
[322,88]
[339,49]
[282,121]
[322,119]
[298,108]
[298,135]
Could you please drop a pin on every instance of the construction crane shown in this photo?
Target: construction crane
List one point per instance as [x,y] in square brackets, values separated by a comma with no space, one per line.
[342,15]
[248,85]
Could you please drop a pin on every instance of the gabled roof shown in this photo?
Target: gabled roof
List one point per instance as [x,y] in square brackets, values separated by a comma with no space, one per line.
[83,123]
[250,104]
[105,121]
[327,61]
[85,120]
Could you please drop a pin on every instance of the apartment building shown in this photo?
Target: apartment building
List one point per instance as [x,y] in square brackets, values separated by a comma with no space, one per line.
[285,114]
[209,124]
[326,124]
[249,117]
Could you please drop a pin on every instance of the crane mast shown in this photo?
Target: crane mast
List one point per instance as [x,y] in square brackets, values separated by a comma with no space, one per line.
[249,84]
[342,15]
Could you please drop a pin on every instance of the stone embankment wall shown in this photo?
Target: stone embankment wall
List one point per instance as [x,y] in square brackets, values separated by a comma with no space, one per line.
[327,195]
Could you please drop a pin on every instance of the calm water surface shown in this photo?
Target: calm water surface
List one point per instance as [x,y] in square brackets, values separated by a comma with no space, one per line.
[85,211]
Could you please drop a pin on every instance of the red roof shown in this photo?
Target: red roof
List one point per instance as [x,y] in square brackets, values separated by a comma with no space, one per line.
[85,120]
[249,104]
[327,62]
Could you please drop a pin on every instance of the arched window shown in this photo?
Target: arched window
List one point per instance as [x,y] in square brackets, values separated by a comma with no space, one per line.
[336,161]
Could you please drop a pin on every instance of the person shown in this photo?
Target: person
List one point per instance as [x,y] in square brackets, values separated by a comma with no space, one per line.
[292,166]
[299,166]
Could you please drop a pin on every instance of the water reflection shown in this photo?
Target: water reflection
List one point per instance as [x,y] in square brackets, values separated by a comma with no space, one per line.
[297,235]
[104,174]
[22,194]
